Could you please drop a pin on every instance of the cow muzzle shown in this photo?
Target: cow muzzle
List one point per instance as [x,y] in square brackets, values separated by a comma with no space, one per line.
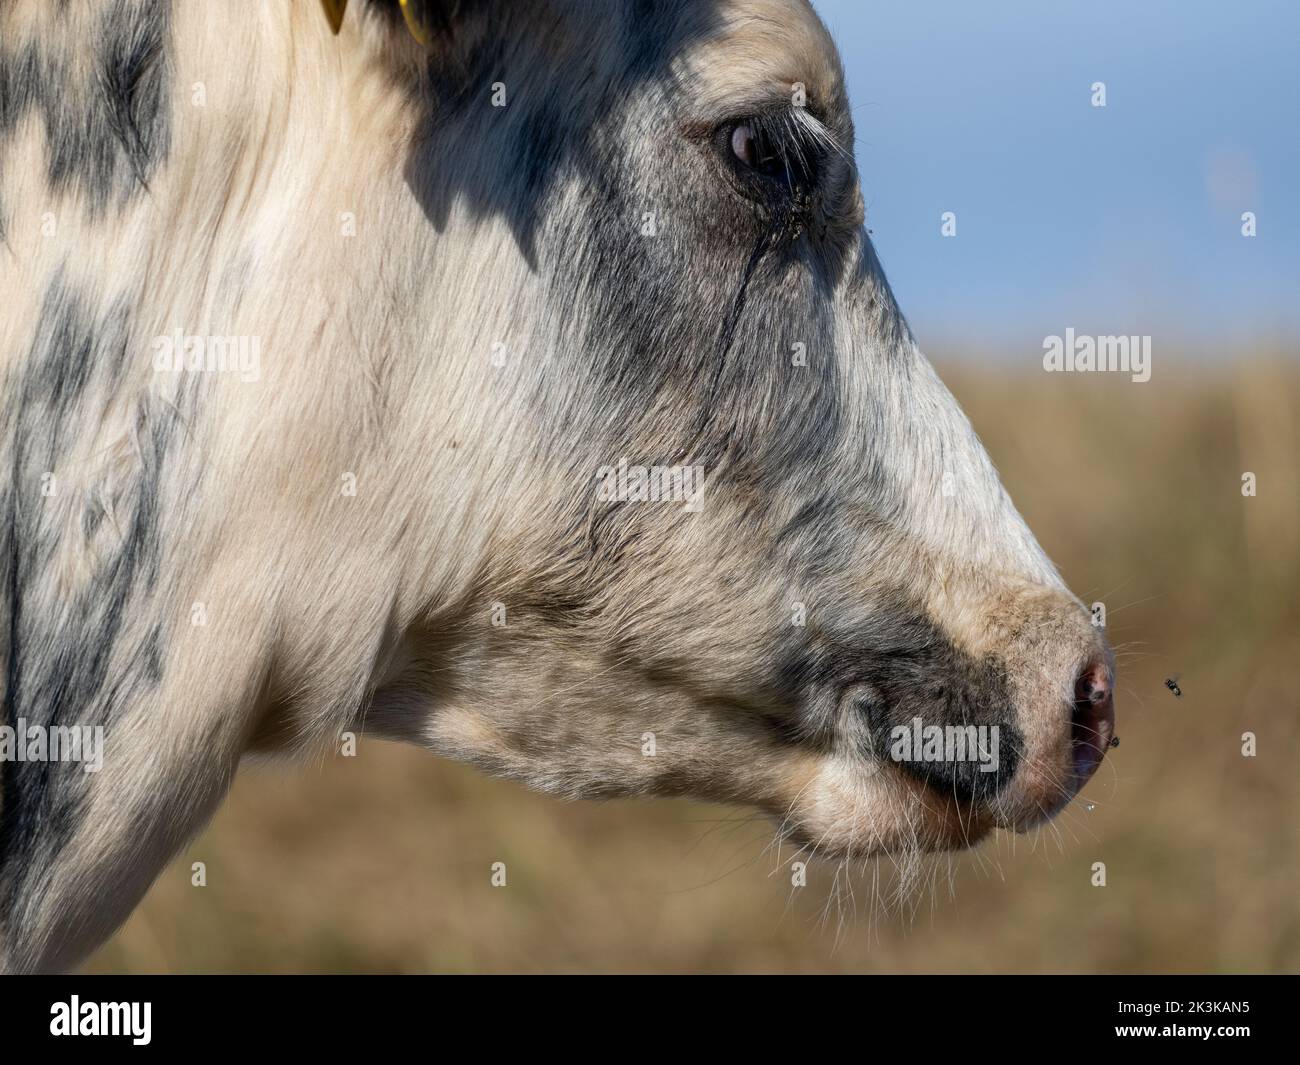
[943,745]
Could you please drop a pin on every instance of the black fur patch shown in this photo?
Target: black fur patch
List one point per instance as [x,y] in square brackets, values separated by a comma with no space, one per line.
[923,676]
[70,661]
[900,666]
[106,122]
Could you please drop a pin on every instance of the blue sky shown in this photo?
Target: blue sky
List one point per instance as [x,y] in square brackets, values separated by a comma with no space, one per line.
[1122,219]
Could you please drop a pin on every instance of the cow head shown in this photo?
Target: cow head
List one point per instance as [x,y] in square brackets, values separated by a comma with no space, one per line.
[719,529]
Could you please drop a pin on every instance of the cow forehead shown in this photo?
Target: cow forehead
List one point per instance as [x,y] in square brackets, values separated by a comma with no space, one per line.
[756,52]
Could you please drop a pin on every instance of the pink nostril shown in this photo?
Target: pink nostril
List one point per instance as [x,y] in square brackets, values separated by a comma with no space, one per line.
[1093,721]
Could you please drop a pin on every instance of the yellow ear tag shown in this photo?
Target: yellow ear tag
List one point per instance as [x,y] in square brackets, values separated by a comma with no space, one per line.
[334,13]
[334,10]
[413,22]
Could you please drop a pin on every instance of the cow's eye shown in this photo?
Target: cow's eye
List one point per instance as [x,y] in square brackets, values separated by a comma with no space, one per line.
[771,153]
[751,146]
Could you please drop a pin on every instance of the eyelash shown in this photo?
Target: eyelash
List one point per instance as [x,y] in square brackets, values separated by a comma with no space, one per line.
[786,158]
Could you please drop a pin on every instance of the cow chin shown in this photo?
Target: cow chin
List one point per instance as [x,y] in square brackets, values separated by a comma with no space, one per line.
[844,810]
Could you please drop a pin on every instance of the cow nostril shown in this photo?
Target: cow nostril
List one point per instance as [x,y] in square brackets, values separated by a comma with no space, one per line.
[1093,720]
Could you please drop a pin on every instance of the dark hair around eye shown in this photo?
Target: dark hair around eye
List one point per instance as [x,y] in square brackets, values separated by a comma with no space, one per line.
[776,151]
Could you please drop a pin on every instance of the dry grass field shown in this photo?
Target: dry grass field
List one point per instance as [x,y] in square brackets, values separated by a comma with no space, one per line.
[381,862]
